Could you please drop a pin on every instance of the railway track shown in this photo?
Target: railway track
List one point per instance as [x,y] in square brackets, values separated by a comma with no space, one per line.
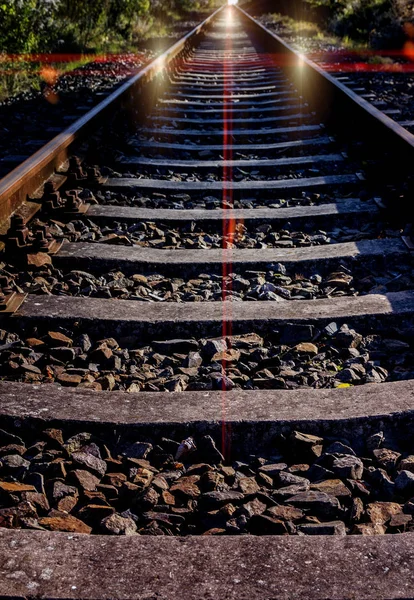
[207,338]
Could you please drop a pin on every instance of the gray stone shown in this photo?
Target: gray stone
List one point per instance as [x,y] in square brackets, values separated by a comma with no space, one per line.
[318,503]
[404,483]
[90,462]
[7,438]
[285,479]
[318,473]
[76,442]
[380,479]
[386,458]
[138,450]
[61,490]
[211,347]
[222,382]
[37,480]
[193,360]
[84,342]
[254,507]
[395,346]
[375,440]
[373,376]
[214,500]
[273,469]
[118,525]
[284,493]
[347,376]
[14,462]
[147,499]
[339,448]
[84,479]
[330,528]
[208,450]
[407,464]
[266,525]
[331,329]
[348,338]
[348,467]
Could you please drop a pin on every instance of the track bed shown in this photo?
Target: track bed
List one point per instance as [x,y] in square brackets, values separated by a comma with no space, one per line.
[210,338]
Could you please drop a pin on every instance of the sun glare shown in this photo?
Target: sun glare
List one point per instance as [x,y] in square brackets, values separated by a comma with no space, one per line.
[230,2]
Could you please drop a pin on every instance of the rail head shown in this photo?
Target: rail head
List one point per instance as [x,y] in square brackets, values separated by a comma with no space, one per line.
[20,183]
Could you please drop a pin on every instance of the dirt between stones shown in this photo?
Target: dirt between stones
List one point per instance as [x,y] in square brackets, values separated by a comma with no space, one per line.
[201,201]
[277,283]
[304,485]
[193,236]
[293,357]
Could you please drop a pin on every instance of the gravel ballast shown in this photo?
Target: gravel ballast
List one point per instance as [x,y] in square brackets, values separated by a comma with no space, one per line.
[296,356]
[304,485]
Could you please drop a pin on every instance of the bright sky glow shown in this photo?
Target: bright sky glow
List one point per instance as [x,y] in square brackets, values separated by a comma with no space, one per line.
[230,2]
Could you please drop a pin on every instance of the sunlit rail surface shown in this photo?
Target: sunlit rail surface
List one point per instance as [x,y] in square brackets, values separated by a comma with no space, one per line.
[207,304]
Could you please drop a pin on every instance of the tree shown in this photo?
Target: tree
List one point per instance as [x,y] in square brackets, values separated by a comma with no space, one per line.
[86,16]
[122,13]
[26,25]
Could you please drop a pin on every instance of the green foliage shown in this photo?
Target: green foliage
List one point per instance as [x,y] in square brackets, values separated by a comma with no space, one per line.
[378,22]
[83,16]
[289,26]
[360,17]
[28,26]
[121,12]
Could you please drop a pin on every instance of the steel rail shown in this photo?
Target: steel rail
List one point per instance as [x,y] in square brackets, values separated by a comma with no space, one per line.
[85,567]
[332,100]
[329,97]
[25,179]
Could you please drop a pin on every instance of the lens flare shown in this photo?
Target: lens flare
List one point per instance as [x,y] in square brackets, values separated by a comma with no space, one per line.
[408,50]
[229,19]
[49,74]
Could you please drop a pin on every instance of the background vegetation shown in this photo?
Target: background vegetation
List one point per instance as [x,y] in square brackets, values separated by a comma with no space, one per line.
[379,23]
[85,27]
[31,29]
[88,25]
[28,26]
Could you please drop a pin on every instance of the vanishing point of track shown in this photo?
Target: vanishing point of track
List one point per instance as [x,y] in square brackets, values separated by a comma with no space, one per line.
[251,183]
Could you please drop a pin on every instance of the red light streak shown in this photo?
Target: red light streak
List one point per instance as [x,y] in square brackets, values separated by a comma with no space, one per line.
[68,58]
[228,225]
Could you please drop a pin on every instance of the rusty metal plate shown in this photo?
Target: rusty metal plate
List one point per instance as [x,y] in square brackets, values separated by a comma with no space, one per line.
[12,303]
[83,209]
[55,246]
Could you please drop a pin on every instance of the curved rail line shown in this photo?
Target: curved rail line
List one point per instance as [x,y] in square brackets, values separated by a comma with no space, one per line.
[229,130]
